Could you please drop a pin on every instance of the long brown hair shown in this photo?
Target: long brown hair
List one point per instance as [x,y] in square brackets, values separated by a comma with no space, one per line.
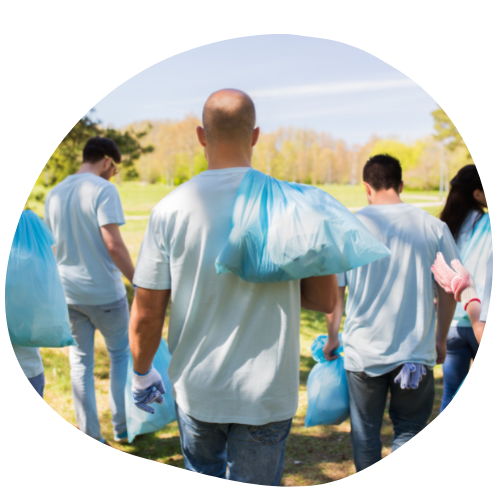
[461,201]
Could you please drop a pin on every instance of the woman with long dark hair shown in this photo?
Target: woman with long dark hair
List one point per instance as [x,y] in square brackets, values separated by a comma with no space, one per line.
[464,212]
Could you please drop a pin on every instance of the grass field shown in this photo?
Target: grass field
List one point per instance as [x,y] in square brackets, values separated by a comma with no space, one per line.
[316,455]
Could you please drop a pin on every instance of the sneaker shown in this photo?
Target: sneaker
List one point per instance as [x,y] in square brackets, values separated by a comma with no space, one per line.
[121,438]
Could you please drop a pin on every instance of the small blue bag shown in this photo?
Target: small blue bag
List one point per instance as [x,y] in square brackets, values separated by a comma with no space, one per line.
[35,305]
[327,392]
[139,421]
[285,231]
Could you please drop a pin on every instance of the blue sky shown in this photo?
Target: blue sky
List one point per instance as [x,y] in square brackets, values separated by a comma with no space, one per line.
[294,81]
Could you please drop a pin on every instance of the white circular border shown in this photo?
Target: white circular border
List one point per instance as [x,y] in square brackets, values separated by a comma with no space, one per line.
[61,58]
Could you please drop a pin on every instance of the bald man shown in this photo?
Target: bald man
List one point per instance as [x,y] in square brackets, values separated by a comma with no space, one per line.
[234,345]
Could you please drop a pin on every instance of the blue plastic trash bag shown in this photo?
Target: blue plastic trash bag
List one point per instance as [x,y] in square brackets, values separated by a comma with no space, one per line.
[327,392]
[139,421]
[286,231]
[36,310]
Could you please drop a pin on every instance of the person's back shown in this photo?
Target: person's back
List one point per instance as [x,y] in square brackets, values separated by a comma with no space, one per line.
[390,313]
[391,342]
[75,210]
[234,345]
[464,213]
[84,213]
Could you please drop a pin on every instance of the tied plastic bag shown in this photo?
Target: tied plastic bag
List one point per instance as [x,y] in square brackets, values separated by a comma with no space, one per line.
[36,310]
[327,391]
[139,421]
[287,231]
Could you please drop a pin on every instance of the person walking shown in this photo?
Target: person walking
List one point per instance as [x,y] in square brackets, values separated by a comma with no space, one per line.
[464,213]
[391,342]
[84,213]
[234,344]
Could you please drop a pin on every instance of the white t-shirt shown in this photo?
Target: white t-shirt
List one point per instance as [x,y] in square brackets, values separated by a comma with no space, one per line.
[485,305]
[390,315]
[75,210]
[475,245]
[234,345]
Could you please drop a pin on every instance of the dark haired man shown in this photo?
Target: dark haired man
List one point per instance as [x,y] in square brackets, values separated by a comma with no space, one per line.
[234,345]
[84,213]
[391,342]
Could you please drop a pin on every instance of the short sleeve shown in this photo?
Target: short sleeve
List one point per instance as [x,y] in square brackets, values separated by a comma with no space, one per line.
[153,265]
[485,305]
[447,246]
[342,279]
[109,206]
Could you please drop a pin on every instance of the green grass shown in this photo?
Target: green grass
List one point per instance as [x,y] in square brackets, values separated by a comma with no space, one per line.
[324,452]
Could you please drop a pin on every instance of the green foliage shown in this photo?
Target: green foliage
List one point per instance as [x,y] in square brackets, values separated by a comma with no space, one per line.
[446,132]
[407,154]
[67,158]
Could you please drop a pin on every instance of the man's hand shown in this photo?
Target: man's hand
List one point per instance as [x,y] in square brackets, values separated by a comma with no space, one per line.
[147,389]
[330,346]
[441,351]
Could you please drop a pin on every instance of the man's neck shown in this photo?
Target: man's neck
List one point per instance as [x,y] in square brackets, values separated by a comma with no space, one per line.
[88,168]
[220,158]
[385,197]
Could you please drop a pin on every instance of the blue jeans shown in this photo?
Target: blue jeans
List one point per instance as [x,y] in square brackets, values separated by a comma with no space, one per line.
[409,410]
[38,383]
[461,347]
[112,321]
[248,453]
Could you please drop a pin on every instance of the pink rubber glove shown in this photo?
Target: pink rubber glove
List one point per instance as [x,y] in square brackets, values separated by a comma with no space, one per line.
[459,283]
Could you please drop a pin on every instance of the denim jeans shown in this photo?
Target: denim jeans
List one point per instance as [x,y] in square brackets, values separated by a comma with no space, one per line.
[461,347]
[245,453]
[38,383]
[112,321]
[409,410]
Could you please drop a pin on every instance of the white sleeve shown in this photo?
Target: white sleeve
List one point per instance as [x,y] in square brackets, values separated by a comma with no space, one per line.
[153,265]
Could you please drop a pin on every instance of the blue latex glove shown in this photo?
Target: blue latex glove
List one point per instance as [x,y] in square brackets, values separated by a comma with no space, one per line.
[410,375]
[147,389]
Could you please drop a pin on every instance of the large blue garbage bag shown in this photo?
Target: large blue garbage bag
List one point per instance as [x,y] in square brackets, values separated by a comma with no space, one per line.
[139,421]
[327,392]
[286,231]
[36,310]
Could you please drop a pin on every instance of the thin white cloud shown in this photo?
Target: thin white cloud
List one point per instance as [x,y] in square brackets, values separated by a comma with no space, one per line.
[333,88]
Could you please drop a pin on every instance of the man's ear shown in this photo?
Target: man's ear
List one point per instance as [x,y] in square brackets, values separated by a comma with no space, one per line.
[201,136]
[255,136]
[368,188]
[401,186]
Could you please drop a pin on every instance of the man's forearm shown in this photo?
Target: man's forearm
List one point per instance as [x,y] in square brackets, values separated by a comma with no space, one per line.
[334,319]
[146,325]
[318,293]
[446,307]
[123,262]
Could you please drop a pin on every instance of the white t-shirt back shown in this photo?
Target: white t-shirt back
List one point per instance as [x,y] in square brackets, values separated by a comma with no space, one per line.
[75,210]
[390,315]
[234,345]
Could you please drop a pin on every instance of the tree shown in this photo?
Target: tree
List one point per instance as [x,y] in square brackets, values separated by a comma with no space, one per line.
[447,133]
[66,159]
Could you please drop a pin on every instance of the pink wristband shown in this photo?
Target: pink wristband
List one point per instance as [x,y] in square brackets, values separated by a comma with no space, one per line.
[471,300]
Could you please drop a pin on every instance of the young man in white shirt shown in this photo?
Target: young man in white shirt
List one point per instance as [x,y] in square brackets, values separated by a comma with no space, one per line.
[234,345]
[390,338]
[84,213]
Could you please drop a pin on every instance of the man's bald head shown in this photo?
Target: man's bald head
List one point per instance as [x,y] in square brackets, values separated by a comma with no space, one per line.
[228,116]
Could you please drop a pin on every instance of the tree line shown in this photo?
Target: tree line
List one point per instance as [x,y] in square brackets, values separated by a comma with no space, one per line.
[168,152]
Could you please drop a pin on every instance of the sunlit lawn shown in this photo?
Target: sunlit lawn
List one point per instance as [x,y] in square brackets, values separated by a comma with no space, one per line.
[314,456]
